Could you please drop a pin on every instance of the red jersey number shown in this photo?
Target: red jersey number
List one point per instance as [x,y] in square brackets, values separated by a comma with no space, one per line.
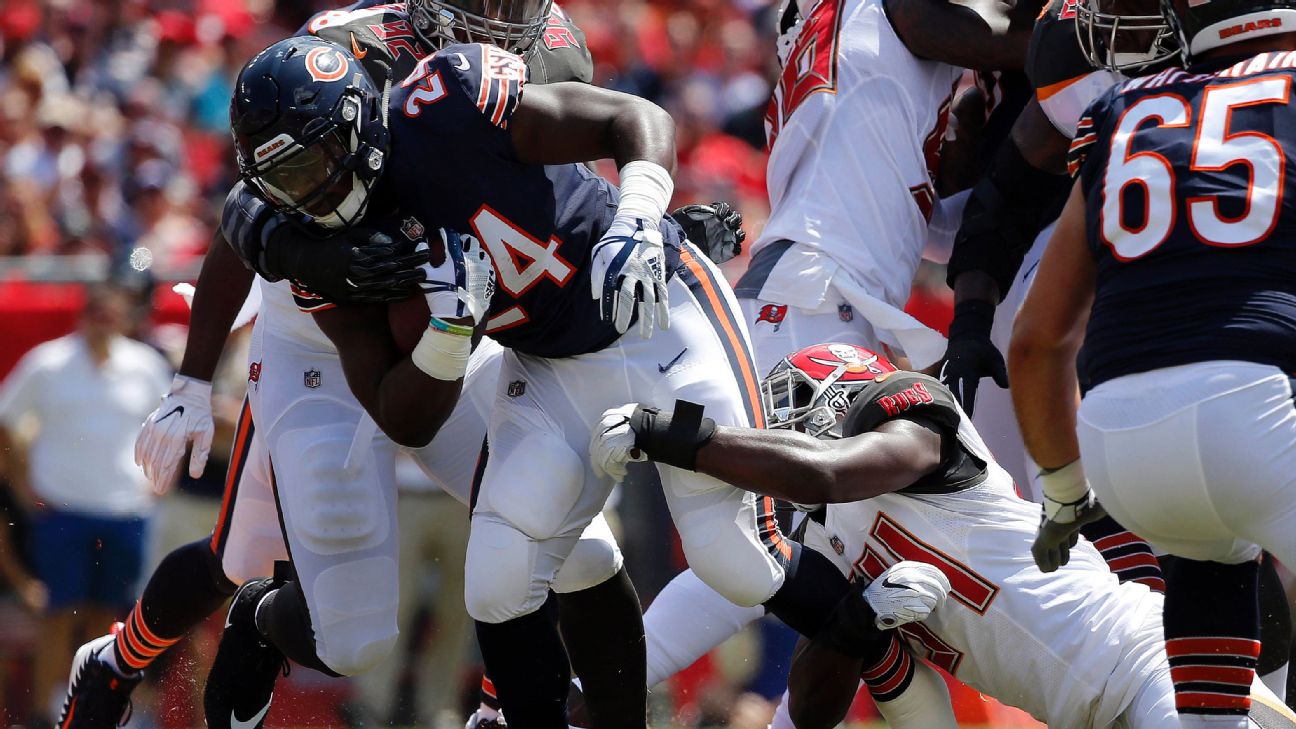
[811,65]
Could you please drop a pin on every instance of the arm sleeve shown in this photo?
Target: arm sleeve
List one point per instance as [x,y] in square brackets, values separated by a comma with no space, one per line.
[1007,210]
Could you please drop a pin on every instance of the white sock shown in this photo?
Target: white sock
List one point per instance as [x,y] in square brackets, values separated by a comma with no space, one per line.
[1277,682]
[685,621]
[924,705]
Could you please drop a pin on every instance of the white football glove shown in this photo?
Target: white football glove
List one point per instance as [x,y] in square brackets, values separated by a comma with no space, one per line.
[908,592]
[612,444]
[628,274]
[184,416]
[464,282]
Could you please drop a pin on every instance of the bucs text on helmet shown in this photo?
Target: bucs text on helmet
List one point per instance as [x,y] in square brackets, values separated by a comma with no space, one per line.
[513,25]
[1202,25]
[310,130]
[1124,35]
[812,389]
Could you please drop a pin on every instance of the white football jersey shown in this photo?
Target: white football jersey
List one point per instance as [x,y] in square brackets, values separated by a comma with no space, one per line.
[1072,648]
[854,128]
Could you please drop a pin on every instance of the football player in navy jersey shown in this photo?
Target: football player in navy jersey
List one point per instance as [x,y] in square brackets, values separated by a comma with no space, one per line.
[1173,262]
[192,582]
[579,265]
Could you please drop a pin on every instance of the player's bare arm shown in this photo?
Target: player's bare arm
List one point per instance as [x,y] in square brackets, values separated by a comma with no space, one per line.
[185,415]
[574,122]
[984,35]
[222,287]
[407,404]
[796,467]
[785,464]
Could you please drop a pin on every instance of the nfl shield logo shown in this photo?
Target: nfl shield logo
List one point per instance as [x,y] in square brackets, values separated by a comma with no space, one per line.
[845,313]
[837,545]
[517,388]
[412,228]
[311,378]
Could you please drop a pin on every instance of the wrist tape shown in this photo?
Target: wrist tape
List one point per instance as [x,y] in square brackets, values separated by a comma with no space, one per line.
[673,438]
[442,355]
[646,190]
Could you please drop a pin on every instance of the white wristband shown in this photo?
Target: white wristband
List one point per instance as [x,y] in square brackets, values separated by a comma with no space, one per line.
[646,190]
[1065,485]
[442,355]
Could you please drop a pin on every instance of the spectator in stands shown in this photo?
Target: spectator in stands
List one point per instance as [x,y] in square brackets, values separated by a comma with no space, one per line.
[85,395]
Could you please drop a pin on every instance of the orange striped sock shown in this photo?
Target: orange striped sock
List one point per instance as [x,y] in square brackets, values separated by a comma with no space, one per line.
[136,645]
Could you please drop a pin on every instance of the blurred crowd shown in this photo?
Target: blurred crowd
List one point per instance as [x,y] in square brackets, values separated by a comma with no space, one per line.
[114,113]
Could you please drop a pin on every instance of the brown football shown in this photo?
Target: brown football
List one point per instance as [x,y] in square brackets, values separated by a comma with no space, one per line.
[407,320]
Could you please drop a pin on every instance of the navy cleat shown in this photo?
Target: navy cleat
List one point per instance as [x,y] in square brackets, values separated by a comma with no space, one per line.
[241,683]
[98,697]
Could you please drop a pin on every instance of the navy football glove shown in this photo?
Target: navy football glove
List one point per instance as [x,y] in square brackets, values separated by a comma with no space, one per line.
[970,354]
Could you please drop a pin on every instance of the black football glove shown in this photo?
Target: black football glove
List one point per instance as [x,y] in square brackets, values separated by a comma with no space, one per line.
[356,265]
[970,354]
[716,229]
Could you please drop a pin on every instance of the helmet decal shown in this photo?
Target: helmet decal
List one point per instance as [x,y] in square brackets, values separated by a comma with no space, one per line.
[813,389]
[269,148]
[326,64]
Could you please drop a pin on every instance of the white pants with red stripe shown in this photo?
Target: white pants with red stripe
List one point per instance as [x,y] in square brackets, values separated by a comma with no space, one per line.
[538,491]
[315,465]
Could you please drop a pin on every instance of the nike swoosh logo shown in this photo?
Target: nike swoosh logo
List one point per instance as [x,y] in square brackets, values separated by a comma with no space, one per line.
[462,64]
[177,409]
[670,364]
[250,723]
[886,582]
[356,50]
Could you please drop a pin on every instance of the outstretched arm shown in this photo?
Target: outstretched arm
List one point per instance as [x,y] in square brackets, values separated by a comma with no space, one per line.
[784,464]
[575,122]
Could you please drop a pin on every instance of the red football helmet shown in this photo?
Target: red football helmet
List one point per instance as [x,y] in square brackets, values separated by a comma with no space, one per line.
[812,389]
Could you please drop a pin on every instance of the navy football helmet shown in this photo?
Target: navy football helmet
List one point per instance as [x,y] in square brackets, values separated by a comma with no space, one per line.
[513,25]
[1127,36]
[1202,25]
[310,130]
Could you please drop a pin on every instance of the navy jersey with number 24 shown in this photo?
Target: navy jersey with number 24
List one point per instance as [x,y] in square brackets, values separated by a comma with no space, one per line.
[452,164]
[1190,217]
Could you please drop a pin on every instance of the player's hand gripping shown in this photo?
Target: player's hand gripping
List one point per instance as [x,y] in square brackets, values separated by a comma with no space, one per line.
[462,284]
[184,417]
[715,228]
[355,265]
[1068,506]
[612,445]
[970,354]
[907,592]
[628,274]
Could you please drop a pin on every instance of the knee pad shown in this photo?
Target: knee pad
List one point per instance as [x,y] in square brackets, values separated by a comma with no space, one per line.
[506,573]
[329,509]
[593,561]
[353,607]
[533,483]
